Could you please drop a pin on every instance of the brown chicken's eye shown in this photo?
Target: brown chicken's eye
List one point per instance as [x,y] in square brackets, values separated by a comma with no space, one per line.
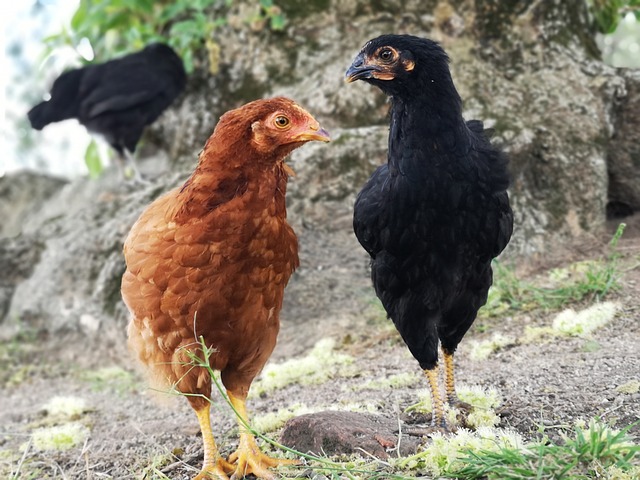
[281,121]
[386,55]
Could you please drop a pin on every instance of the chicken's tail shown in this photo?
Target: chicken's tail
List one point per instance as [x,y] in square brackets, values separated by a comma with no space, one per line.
[39,116]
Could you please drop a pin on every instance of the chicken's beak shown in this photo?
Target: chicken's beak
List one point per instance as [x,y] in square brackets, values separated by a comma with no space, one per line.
[359,70]
[313,133]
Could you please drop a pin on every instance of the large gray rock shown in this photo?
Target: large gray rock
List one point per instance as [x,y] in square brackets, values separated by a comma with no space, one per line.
[23,193]
[524,71]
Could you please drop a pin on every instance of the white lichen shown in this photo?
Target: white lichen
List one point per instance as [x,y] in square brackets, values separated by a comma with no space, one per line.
[60,437]
[632,386]
[66,407]
[483,349]
[479,397]
[322,364]
[570,322]
[483,401]
[445,452]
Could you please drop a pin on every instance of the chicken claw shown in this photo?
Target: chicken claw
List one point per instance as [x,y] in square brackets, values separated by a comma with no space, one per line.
[250,460]
[218,471]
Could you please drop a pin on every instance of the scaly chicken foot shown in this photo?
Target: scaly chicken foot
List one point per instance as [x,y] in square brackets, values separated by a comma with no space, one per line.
[449,384]
[214,466]
[438,421]
[248,457]
[250,460]
[212,472]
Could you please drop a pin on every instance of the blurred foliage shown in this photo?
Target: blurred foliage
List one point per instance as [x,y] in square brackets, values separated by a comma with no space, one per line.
[92,159]
[607,14]
[116,27]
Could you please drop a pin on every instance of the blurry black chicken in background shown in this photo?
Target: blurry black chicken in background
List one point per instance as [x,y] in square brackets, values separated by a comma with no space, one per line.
[116,99]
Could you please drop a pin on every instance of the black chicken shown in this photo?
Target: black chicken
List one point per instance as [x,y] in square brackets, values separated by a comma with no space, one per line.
[116,99]
[437,213]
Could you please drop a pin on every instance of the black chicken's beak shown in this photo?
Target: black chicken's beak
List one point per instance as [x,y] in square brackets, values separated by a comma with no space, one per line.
[359,70]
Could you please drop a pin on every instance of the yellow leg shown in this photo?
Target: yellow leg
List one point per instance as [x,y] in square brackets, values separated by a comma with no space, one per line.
[437,404]
[214,466]
[449,381]
[449,384]
[249,458]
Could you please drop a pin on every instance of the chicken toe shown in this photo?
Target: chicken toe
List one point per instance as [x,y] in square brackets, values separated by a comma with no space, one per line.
[248,458]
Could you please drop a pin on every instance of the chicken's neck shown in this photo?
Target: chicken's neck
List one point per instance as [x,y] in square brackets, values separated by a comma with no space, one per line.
[212,186]
[427,132]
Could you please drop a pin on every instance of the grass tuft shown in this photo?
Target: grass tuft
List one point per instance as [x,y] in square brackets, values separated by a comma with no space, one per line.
[581,455]
[591,281]
[449,453]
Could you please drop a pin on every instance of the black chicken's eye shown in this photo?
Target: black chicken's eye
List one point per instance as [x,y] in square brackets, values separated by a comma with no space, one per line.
[386,55]
[281,121]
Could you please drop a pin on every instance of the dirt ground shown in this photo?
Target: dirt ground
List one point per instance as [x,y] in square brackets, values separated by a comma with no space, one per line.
[132,434]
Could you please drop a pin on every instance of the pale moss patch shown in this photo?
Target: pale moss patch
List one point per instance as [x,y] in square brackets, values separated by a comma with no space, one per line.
[444,453]
[616,473]
[570,322]
[322,364]
[537,334]
[66,407]
[483,400]
[60,437]
[632,386]
[274,421]
[482,350]
[479,418]
[479,397]
[400,380]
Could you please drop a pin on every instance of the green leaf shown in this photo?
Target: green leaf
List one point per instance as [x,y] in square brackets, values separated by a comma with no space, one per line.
[172,11]
[183,27]
[92,160]
[187,59]
[80,16]
[277,22]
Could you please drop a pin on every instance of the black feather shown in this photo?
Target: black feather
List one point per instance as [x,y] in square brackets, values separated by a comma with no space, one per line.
[437,213]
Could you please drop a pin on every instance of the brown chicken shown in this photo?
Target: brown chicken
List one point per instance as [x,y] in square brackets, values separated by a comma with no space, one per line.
[211,259]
